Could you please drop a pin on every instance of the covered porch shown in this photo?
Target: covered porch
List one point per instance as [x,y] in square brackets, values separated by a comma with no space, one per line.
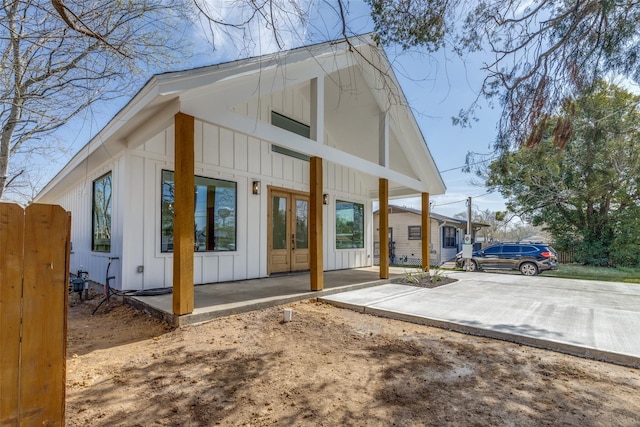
[224,299]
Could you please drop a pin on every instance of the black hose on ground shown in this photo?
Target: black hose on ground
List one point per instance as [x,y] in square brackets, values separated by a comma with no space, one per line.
[151,292]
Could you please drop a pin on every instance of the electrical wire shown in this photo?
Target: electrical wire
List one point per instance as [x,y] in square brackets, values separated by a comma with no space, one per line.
[461,201]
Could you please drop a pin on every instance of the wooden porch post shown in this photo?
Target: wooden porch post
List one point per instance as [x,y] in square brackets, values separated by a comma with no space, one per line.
[183,218]
[426,233]
[316,258]
[383,192]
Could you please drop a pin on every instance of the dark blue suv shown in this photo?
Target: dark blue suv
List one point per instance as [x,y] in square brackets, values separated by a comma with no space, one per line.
[529,258]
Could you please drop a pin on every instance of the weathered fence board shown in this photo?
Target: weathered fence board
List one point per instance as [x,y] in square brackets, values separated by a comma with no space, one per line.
[11,256]
[34,265]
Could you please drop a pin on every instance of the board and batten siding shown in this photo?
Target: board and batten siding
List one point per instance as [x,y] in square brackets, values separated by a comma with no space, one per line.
[224,154]
[78,200]
[220,153]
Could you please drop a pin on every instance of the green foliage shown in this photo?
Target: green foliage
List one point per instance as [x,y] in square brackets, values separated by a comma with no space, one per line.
[437,275]
[584,191]
[544,52]
[585,272]
[410,23]
[415,276]
[625,248]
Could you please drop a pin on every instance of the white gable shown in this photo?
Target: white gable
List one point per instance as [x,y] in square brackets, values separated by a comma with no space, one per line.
[358,102]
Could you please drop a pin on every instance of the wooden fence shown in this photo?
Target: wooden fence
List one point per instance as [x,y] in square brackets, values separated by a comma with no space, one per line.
[34,265]
[566,257]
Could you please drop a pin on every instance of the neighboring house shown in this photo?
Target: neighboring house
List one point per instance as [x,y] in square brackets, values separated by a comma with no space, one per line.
[405,234]
[245,169]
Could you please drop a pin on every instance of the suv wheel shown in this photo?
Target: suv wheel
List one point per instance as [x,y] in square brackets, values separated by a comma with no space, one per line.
[473,266]
[528,269]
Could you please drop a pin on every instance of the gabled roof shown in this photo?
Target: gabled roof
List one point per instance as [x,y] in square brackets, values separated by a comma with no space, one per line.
[153,108]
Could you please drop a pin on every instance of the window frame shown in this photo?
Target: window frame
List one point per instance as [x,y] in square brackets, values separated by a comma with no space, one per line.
[164,250]
[93,212]
[411,232]
[290,125]
[362,242]
[511,249]
[449,241]
[498,250]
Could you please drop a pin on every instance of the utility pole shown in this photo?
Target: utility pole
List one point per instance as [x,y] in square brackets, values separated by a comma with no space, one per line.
[467,238]
[469,215]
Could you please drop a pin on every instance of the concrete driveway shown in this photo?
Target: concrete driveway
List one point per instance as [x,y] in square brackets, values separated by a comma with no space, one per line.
[599,320]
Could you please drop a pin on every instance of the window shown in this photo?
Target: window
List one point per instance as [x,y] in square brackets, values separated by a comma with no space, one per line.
[511,249]
[448,237]
[349,225]
[291,125]
[215,214]
[493,250]
[101,225]
[415,232]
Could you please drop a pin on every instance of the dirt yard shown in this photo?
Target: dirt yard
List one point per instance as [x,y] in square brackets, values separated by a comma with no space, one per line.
[327,367]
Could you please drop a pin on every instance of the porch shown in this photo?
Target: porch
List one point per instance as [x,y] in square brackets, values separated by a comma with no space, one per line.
[224,299]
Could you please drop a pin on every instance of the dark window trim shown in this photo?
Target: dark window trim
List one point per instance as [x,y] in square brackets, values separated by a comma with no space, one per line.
[448,241]
[305,126]
[235,237]
[295,124]
[93,211]
[414,235]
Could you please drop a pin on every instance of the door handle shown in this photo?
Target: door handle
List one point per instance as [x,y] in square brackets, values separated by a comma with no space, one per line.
[293,241]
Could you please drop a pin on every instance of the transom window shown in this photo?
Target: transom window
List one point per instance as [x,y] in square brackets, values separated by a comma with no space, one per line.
[291,125]
[101,224]
[349,225]
[215,214]
[415,232]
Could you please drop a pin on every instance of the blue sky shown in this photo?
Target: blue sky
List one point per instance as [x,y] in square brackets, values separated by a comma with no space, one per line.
[437,86]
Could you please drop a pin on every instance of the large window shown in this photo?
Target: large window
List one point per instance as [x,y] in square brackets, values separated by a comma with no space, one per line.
[101,241]
[215,214]
[448,237]
[349,225]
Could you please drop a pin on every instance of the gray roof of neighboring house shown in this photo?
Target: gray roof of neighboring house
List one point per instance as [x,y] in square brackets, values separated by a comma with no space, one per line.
[438,217]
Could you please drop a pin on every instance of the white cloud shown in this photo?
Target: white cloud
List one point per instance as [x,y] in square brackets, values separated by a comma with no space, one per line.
[280,25]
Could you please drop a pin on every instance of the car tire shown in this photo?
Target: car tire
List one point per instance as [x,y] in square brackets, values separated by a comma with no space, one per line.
[528,269]
[473,266]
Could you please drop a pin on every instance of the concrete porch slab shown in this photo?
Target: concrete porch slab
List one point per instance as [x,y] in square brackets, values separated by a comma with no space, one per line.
[223,299]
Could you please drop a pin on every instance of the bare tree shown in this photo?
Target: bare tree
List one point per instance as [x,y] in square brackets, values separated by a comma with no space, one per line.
[58,58]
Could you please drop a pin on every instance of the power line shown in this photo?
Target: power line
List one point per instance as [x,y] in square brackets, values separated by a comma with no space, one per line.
[470,164]
[461,201]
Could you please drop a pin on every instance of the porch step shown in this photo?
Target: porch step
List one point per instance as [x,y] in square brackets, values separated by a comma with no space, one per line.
[449,264]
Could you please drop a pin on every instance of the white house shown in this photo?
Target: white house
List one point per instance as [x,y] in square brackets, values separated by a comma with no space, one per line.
[284,153]
[446,235]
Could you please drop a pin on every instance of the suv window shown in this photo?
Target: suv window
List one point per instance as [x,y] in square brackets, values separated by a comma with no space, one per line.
[493,250]
[511,249]
[529,249]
